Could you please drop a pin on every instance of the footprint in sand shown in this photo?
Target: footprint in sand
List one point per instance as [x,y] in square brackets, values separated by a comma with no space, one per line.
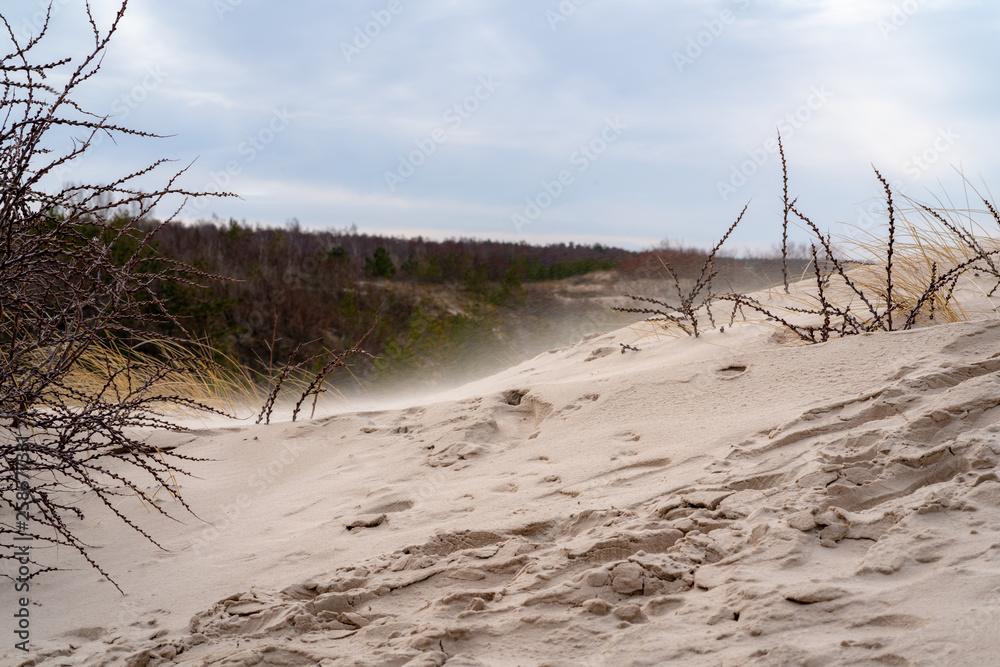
[502,419]
[731,371]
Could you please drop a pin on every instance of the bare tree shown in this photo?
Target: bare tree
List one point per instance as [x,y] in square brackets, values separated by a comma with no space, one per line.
[75,274]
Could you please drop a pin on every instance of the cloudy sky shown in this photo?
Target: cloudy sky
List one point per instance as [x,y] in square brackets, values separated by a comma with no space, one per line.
[624,122]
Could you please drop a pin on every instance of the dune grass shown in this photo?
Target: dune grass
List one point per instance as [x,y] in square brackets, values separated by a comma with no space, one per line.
[179,378]
[179,370]
[905,274]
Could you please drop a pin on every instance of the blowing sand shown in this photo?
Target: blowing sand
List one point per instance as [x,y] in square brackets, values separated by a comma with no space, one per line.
[720,501]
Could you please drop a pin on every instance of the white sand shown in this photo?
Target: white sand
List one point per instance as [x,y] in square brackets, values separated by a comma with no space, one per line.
[720,501]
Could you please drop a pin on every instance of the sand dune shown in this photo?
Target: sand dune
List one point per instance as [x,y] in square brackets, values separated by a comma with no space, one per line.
[720,501]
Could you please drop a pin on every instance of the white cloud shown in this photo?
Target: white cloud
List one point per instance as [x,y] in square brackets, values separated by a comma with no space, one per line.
[687,129]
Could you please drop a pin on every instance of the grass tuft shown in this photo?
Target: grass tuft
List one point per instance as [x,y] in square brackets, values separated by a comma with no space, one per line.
[910,272]
[181,370]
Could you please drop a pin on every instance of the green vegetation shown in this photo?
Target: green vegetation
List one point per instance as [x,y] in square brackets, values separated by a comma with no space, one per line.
[437,302]
[442,306]
[380,265]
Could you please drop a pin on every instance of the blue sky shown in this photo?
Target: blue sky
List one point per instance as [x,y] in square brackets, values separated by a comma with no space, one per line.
[624,122]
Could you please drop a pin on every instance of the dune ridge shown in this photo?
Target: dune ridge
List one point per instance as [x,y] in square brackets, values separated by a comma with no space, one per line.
[720,501]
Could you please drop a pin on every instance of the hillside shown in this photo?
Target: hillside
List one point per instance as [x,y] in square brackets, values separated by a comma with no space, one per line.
[447,310]
[719,501]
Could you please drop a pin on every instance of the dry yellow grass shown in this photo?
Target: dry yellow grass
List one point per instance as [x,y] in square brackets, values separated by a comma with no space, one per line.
[930,242]
[170,369]
[931,265]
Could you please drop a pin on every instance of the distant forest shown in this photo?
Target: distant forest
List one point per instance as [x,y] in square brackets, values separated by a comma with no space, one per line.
[324,289]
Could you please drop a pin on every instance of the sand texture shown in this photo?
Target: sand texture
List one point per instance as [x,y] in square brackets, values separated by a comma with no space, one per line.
[722,501]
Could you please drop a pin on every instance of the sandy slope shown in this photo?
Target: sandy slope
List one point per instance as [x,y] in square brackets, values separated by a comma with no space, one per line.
[720,501]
